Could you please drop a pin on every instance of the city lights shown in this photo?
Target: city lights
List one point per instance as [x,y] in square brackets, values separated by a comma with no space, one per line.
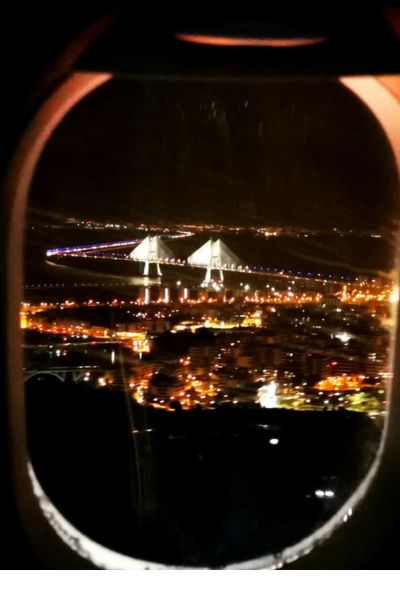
[267,395]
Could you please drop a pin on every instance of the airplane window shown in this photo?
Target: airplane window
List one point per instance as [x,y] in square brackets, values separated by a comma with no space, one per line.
[209,299]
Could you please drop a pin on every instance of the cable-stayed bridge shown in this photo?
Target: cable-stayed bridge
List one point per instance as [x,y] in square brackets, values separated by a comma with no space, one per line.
[213,255]
[151,251]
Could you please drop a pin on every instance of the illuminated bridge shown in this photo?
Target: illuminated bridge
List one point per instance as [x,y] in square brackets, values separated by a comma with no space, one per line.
[63,374]
[94,248]
[152,250]
[94,375]
[213,255]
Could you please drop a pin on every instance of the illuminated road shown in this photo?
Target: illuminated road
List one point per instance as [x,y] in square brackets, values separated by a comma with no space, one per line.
[72,250]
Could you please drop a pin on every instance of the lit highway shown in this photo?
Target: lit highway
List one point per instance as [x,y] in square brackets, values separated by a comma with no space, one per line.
[109,245]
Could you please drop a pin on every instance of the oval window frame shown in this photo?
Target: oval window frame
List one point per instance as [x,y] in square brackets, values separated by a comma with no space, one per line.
[60,542]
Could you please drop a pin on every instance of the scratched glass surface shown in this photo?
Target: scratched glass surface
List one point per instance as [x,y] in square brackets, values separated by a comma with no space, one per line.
[208,308]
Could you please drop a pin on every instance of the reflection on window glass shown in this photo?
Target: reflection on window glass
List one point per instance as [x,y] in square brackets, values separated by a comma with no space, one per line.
[207,314]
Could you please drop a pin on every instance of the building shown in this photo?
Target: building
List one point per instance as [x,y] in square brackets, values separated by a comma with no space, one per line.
[164,388]
[201,358]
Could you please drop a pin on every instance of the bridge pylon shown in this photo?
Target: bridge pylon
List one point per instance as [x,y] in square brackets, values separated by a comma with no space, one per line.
[214,255]
[151,250]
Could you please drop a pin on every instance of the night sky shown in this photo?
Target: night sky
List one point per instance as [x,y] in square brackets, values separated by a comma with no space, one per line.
[307,154]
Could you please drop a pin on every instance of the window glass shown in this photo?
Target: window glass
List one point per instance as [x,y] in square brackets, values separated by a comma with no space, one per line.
[207,315]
